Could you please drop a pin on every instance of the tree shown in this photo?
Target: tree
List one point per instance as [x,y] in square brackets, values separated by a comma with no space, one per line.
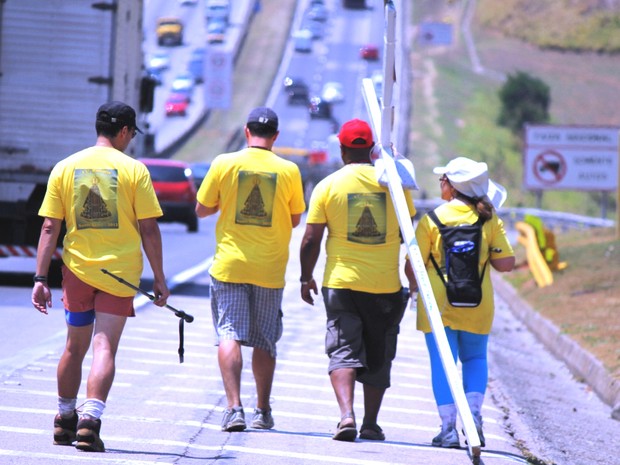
[524,99]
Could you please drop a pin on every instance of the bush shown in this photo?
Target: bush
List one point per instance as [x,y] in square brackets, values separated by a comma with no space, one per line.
[524,99]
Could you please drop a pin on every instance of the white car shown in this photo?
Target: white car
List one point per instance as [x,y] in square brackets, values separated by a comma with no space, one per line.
[183,84]
[303,40]
[159,61]
[332,92]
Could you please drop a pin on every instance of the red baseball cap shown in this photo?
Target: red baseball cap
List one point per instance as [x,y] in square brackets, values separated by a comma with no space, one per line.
[356,134]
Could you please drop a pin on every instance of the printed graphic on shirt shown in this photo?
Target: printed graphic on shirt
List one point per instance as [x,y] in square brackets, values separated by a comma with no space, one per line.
[367,222]
[255,198]
[95,198]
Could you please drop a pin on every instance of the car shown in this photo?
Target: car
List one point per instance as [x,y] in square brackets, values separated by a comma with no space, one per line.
[317,28]
[297,90]
[369,52]
[169,31]
[319,109]
[159,61]
[216,31]
[177,104]
[195,65]
[184,83]
[217,9]
[199,171]
[302,40]
[332,92]
[175,189]
[377,81]
[317,12]
[187,2]
[156,76]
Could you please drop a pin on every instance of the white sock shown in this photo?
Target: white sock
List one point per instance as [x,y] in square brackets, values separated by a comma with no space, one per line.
[447,413]
[66,406]
[93,408]
[475,400]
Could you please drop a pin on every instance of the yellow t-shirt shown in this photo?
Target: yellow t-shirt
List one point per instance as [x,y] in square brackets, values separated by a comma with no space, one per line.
[363,242]
[101,193]
[478,319]
[257,192]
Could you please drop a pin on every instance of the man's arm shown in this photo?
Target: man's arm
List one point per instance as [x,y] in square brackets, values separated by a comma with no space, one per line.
[296,219]
[308,256]
[202,210]
[151,242]
[41,294]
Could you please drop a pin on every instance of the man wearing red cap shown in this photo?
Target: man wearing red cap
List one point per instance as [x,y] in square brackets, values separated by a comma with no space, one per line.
[361,283]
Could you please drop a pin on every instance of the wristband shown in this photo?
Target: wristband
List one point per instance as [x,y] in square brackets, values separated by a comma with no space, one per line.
[305,283]
[39,279]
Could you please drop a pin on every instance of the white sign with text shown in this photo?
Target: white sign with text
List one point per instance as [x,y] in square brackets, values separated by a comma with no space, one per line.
[571,158]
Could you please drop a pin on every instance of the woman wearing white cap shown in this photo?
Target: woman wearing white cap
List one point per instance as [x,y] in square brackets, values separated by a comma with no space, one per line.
[470,194]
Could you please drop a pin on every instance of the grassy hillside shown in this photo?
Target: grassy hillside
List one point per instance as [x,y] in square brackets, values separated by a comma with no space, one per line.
[568,25]
[455,108]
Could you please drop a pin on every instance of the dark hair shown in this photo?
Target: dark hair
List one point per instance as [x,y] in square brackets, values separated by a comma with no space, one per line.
[108,129]
[261,130]
[481,204]
[357,155]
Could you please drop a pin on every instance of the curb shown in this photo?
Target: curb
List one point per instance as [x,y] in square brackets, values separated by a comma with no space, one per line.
[579,361]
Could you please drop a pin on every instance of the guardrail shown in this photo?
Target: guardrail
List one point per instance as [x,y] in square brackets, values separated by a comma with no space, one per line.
[552,219]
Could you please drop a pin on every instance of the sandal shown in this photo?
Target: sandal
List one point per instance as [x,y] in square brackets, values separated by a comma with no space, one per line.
[346,429]
[372,432]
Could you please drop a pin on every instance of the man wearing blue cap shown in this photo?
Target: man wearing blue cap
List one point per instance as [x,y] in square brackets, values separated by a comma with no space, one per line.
[260,199]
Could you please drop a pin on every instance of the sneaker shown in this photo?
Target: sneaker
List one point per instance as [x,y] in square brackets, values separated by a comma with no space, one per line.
[65,429]
[262,419]
[88,435]
[234,419]
[448,438]
[478,423]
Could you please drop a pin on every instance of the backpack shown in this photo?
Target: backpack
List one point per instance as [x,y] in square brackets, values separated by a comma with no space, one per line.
[461,248]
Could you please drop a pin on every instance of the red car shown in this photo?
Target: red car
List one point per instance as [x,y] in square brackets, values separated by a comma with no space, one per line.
[175,189]
[369,52]
[176,104]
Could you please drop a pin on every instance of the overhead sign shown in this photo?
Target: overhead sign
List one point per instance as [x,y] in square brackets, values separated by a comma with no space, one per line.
[218,77]
[435,33]
[571,158]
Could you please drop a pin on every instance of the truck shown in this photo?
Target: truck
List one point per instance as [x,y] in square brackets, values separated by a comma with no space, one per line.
[59,61]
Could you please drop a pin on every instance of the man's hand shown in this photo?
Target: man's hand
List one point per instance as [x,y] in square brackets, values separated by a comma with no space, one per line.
[41,297]
[161,292]
[305,291]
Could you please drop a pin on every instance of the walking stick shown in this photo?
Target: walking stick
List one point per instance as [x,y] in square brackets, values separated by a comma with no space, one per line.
[183,317]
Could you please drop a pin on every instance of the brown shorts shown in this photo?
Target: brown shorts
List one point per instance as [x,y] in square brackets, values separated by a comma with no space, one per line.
[78,296]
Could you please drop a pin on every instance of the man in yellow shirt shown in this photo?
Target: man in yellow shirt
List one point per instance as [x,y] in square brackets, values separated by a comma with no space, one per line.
[107,201]
[361,283]
[260,199]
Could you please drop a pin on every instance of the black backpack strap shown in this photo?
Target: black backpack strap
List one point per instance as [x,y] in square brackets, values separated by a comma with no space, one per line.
[433,216]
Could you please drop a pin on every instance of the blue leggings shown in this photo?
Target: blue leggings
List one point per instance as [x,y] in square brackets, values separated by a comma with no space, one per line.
[471,349]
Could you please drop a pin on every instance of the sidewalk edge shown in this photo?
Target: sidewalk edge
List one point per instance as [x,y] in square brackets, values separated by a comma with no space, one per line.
[580,362]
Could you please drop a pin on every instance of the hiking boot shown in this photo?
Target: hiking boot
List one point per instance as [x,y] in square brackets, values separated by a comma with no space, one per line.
[88,435]
[64,429]
[233,420]
[372,432]
[262,419]
[448,438]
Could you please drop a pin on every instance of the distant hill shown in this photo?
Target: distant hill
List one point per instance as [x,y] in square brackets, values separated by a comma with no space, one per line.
[569,25]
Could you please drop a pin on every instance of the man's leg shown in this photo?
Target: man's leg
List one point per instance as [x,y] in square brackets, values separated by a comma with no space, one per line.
[107,335]
[69,372]
[373,396]
[263,367]
[343,382]
[230,359]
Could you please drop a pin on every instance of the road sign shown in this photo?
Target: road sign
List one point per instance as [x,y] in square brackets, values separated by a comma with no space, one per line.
[571,158]
[218,77]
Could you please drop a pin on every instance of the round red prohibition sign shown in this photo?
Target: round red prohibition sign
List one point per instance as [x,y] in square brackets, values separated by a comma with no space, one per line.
[549,167]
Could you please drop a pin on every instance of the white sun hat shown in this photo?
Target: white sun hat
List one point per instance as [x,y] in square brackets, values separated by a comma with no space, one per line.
[471,178]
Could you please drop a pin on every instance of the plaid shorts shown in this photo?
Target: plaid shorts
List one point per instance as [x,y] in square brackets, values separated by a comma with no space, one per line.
[247,313]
